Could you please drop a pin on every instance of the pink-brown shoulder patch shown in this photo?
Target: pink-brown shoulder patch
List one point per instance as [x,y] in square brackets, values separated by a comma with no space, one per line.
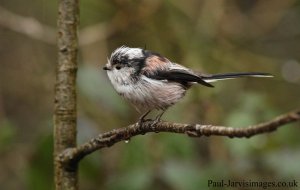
[154,63]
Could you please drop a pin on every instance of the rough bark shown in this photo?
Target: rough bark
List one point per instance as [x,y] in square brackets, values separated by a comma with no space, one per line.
[65,93]
[108,139]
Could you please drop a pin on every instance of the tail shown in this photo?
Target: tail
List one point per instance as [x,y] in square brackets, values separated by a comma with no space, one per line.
[217,77]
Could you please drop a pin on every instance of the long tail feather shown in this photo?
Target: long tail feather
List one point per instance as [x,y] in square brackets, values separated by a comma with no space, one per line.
[225,76]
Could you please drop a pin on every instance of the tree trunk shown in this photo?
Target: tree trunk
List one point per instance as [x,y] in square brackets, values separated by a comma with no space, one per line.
[65,93]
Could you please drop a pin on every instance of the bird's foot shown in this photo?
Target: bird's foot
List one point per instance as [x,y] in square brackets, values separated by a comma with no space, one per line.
[141,121]
[157,119]
[142,118]
[155,122]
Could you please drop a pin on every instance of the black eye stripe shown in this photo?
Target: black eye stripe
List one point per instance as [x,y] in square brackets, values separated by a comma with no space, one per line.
[122,60]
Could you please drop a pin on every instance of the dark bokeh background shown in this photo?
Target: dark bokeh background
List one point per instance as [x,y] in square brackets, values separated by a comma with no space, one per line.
[214,36]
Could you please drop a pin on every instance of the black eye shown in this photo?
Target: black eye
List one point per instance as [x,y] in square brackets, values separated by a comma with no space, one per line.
[118,67]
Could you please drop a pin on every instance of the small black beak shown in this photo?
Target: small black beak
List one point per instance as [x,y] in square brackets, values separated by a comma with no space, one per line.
[106,68]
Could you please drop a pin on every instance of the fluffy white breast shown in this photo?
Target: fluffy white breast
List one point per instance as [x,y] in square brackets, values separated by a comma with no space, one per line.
[146,93]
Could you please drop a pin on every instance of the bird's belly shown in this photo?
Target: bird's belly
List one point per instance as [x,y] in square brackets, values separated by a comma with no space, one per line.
[148,94]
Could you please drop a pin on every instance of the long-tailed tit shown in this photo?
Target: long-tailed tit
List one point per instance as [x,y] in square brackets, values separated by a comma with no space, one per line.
[150,81]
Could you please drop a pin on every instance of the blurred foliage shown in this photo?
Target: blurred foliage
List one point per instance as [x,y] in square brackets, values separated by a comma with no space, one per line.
[42,159]
[7,134]
[212,36]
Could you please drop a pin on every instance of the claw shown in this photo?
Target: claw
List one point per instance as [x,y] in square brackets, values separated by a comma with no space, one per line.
[142,118]
[157,119]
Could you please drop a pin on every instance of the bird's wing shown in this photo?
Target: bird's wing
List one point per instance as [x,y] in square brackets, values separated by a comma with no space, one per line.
[160,68]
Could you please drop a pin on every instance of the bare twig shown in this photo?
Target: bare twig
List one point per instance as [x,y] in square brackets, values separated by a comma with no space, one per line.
[34,29]
[28,26]
[193,130]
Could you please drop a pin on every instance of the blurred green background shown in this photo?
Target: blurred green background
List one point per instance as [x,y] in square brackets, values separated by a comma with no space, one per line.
[213,36]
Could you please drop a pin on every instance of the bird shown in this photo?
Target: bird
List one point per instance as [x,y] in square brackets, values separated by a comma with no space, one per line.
[150,81]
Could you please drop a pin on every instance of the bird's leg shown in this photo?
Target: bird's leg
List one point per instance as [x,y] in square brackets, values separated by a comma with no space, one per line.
[158,117]
[142,118]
